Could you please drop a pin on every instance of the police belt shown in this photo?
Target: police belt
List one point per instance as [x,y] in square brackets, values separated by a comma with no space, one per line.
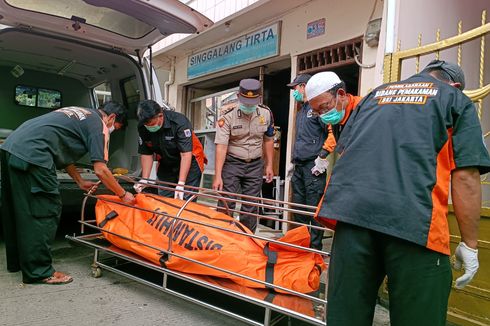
[250,160]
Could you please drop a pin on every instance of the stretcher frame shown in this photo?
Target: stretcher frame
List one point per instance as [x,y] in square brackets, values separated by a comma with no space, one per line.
[127,264]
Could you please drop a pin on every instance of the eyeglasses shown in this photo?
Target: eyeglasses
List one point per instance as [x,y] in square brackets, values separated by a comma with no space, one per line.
[323,103]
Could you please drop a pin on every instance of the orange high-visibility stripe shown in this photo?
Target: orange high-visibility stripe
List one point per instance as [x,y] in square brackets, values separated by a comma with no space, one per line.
[330,142]
[105,131]
[198,152]
[353,101]
[438,237]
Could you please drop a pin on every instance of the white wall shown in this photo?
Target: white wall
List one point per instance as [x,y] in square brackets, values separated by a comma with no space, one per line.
[446,15]
[342,23]
[454,10]
[215,10]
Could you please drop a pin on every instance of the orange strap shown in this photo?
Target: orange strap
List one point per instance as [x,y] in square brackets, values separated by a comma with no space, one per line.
[198,152]
[330,142]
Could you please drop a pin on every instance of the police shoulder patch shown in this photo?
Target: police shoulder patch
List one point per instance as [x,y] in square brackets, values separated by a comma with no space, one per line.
[187,132]
[221,122]
[225,109]
[265,108]
[140,141]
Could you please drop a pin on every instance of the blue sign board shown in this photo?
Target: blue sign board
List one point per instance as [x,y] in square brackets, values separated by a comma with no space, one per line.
[258,45]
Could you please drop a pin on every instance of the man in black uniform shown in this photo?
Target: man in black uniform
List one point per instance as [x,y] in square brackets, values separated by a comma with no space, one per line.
[179,152]
[403,147]
[31,202]
[309,178]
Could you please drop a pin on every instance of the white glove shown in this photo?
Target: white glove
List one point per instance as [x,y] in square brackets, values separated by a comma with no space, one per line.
[321,165]
[467,258]
[142,184]
[179,194]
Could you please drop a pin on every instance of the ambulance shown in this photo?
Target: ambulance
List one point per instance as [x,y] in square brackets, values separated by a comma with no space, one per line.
[58,53]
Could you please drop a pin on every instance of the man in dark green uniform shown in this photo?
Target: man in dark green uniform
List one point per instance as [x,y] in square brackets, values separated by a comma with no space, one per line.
[31,202]
[402,148]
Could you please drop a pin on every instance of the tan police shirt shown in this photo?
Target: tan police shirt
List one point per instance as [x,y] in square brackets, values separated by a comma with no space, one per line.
[244,133]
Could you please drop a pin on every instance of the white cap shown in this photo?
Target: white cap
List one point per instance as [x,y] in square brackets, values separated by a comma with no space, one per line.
[320,83]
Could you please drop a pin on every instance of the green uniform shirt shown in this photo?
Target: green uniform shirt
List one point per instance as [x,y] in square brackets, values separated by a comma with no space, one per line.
[398,150]
[60,137]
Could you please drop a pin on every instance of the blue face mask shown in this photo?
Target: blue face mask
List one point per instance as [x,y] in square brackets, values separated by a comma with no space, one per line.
[248,109]
[298,97]
[153,128]
[332,117]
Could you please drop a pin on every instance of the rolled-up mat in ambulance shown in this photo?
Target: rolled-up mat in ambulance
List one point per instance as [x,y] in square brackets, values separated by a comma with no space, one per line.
[274,263]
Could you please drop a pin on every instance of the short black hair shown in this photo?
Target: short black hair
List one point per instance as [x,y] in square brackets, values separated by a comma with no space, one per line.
[147,110]
[118,109]
[334,89]
[452,73]
[441,75]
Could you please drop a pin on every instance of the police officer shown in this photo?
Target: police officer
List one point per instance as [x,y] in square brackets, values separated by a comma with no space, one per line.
[180,154]
[31,202]
[244,132]
[311,134]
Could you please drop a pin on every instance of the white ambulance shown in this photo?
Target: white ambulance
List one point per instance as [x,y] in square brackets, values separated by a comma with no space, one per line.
[57,53]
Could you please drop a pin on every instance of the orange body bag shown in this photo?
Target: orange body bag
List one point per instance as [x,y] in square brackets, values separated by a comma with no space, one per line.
[273,263]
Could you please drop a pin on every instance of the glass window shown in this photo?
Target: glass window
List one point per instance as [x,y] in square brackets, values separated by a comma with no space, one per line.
[131,96]
[37,97]
[205,111]
[48,98]
[103,93]
[25,95]
[105,18]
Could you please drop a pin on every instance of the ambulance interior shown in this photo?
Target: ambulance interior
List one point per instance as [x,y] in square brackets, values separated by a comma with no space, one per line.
[83,53]
[39,74]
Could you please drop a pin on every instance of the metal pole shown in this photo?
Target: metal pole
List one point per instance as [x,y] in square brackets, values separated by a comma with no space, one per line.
[261,79]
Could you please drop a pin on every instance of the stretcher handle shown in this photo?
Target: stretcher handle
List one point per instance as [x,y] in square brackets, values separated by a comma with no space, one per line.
[89,193]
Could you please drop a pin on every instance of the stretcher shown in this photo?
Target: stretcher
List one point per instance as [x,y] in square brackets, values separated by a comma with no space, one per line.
[250,297]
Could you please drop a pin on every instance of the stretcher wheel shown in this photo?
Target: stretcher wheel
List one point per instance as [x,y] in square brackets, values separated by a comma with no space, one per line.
[96,272]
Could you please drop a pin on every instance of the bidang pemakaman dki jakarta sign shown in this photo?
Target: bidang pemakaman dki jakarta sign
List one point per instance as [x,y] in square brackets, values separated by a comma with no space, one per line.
[257,45]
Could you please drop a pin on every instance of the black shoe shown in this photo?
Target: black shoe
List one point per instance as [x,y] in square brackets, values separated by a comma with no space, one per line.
[13,269]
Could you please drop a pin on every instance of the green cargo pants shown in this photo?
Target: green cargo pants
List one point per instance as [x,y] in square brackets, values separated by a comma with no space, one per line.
[419,280]
[31,208]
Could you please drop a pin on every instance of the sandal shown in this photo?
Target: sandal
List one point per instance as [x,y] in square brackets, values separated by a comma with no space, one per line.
[57,278]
